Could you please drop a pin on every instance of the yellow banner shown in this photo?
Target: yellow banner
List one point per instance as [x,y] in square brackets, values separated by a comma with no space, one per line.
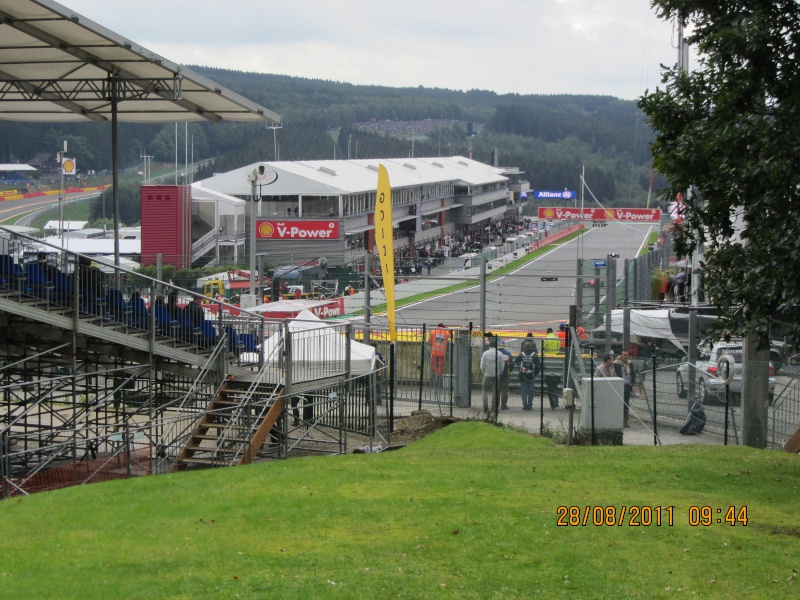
[384,238]
[9,193]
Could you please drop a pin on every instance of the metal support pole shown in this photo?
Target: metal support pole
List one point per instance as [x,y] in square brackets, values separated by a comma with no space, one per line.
[591,353]
[626,296]
[626,328]
[579,288]
[367,298]
[252,235]
[483,302]
[727,408]
[128,472]
[655,404]
[692,358]
[610,298]
[541,392]
[115,177]
[421,366]
[4,463]
[61,154]
[597,316]
[392,361]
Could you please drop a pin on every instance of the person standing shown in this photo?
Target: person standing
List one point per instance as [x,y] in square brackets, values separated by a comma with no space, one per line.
[506,373]
[680,285]
[528,362]
[606,368]
[550,344]
[622,368]
[491,367]
[562,335]
[438,341]
[380,373]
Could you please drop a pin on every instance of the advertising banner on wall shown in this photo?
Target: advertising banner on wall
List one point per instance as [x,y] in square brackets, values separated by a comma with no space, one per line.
[297,230]
[643,215]
[555,194]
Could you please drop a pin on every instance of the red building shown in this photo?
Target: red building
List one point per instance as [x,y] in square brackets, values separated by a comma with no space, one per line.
[166,212]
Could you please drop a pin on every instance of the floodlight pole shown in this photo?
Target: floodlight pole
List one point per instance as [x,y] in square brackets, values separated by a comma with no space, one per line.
[61,154]
[252,177]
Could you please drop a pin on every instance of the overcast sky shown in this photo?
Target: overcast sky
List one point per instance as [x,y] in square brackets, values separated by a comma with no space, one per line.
[606,47]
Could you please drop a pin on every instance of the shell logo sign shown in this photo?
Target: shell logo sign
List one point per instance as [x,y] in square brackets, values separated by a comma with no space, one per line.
[549,213]
[265,230]
[297,230]
[68,166]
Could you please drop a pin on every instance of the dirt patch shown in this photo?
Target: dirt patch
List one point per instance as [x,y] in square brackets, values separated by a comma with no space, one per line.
[417,426]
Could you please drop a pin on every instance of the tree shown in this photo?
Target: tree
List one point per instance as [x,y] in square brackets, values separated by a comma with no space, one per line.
[731,129]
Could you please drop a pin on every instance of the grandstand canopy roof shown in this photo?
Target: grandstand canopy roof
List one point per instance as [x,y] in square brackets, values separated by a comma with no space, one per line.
[338,177]
[59,66]
[16,167]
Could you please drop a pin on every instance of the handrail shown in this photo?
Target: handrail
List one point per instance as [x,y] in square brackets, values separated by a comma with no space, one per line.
[245,403]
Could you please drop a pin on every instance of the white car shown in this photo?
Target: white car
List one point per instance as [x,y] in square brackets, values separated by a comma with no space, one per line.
[709,386]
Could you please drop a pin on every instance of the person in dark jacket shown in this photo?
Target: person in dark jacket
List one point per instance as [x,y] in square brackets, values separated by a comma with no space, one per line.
[528,362]
[195,311]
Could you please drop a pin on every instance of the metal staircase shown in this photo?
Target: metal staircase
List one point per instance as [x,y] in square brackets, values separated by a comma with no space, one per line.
[235,426]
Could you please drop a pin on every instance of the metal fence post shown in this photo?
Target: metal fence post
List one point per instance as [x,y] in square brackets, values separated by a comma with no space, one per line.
[127,450]
[655,404]
[421,366]
[392,371]
[4,463]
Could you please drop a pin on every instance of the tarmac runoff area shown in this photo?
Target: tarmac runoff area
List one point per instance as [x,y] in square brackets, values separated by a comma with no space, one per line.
[639,433]
[439,278]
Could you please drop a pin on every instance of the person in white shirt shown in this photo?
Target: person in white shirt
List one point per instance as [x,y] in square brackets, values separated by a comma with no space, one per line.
[492,365]
[606,369]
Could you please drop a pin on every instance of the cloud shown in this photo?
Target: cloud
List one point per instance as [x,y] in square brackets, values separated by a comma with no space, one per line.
[608,47]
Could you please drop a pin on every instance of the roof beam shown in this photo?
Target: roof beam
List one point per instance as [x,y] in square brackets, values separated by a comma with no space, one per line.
[113,69]
[34,92]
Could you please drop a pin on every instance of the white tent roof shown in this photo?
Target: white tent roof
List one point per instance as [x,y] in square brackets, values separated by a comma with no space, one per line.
[646,323]
[286,306]
[96,246]
[68,225]
[316,343]
[16,167]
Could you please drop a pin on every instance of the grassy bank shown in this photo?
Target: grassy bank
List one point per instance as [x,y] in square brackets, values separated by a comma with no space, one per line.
[469,512]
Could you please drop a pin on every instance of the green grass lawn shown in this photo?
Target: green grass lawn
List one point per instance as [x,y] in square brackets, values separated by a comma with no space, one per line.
[74,211]
[469,512]
[651,239]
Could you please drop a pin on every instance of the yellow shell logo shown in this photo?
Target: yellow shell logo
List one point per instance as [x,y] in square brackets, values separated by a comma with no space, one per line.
[609,214]
[266,230]
[69,165]
[548,213]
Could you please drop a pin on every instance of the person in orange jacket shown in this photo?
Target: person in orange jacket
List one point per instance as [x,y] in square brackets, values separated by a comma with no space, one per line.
[438,341]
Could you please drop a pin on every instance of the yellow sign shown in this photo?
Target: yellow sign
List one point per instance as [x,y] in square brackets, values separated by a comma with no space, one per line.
[9,193]
[384,239]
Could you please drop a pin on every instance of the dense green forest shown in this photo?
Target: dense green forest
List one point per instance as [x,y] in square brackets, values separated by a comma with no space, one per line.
[550,138]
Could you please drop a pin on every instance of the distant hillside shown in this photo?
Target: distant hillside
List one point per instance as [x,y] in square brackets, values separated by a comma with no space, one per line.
[551,138]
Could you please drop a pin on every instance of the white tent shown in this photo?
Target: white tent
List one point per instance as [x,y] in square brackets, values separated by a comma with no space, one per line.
[646,323]
[317,344]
